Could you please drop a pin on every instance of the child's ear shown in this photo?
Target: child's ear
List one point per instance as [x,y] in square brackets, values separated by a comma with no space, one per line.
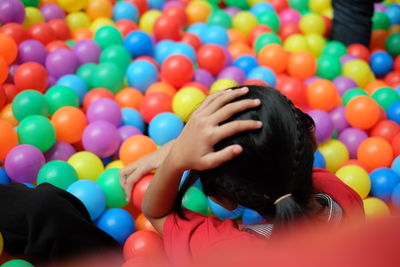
[226,204]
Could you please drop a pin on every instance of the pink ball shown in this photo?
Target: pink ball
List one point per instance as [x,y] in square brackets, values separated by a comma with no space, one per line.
[289,16]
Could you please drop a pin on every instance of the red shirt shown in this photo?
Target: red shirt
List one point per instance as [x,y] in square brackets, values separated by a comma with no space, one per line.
[186,241]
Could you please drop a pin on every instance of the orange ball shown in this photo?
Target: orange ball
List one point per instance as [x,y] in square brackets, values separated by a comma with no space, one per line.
[362,112]
[144,245]
[375,152]
[386,129]
[8,138]
[95,94]
[396,144]
[8,48]
[7,115]
[371,87]
[257,31]
[136,147]
[99,9]
[129,98]
[69,123]
[3,70]
[378,38]
[143,224]
[274,57]
[354,162]
[302,65]
[162,87]
[238,49]
[139,190]
[236,36]
[82,34]
[322,94]
[50,47]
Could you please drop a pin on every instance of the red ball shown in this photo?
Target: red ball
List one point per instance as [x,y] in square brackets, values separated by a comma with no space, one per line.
[96,94]
[60,28]
[393,78]
[396,144]
[177,70]
[178,13]
[15,31]
[328,25]
[42,32]
[57,44]
[279,5]
[144,245]
[31,75]
[359,51]
[10,91]
[167,27]
[199,86]
[211,58]
[139,190]
[255,82]
[149,59]
[386,129]
[141,5]
[125,26]
[3,97]
[294,89]
[154,104]
[288,29]
[396,63]
[192,40]
[257,31]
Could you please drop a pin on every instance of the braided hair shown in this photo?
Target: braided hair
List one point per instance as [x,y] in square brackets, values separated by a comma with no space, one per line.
[276,160]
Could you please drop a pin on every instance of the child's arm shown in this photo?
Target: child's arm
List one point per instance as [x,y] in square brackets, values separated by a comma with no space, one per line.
[194,149]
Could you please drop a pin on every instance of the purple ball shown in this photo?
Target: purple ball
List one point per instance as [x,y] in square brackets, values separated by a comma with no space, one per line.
[204,77]
[52,81]
[101,138]
[232,11]
[60,151]
[233,73]
[352,138]
[310,80]
[11,11]
[23,163]
[343,84]
[11,72]
[105,109]
[323,124]
[172,3]
[52,11]
[61,62]
[380,7]
[339,118]
[87,51]
[346,58]
[32,51]
[127,131]
[228,56]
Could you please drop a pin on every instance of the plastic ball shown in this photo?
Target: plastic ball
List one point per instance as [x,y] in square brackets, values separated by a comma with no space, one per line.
[77,21]
[60,151]
[224,213]
[32,51]
[296,43]
[386,129]
[244,21]
[61,62]
[127,131]
[312,23]
[7,115]
[38,131]
[142,223]
[335,153]
[148,19]
[220,18]
[375,152]
[125,26]
[383,181]
[101,138]
[396,196]
[319,160]
[75,83]
[117,55]
[265,39]
[334,48]
[323,124]
[32,16]
[8,138]
[203,77]
[99,9]
[356,178]
[381,63]
[329,67]
[165,127]
[100,23]
[352,93]
[108,75]
[211,58]
[274,57]
[69,123]
[28,103]
[42,32]
[322,94]
[344,84]
[154,104]
[143,244]
[11,11]
[352,138]
[385,97]
[31,75]
[87,51]
[177,70]
[129,98]
[60,96]
[139,190]
[132,117]
[359,51]
[107,36]
[186,101]
[167,27]
[339,118]
[136,147]
[104,109]
[380,21]
[396,144]
[87,165]
[141,74]
[301,65]
[23,163]
[197,11]
[15,31]
[109,181]
[58,173]
[52,11]
[17,263]
[118,223]
[362,112]
[393,112]
[392,44]
[358,70]
[375,208]
[222,84]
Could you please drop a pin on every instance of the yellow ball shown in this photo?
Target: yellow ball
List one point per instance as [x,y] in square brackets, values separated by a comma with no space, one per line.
[32,16]
[72,5]
[312,23]
[115,164]
[100,22]
[328,13]
[1,244]
[78,20]
[253,2]
[148,19]
[222,84]
[318,6]
[335,154]
[375,208]
[197,11]
[357,178]
[296,43]
[244,22]
[316,43]
[186,101]
[359,71]
[87,165]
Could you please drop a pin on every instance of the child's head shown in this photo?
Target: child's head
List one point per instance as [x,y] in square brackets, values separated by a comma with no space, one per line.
[276,160]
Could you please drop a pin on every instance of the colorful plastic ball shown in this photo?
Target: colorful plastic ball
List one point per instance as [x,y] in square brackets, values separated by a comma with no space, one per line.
[251,217]
[8,138]
[246,63]
[215,35]
[29,102]
[270,19]
[335,153]
[385,97]
[69,123]
[289,16]
[52,11]
[143,245]
[108,75]
[165,127]
[76,83]
[118,55]
[71,5]
[265,39]
[380,21]
[195,200]
[296,43]
[139,190]
[358,70]
[77,21]
[32,16]
[60,29]
[23,163]
[99,9]
[127,131]
[323,124]
[334,48]
[8,48]
[338,116]
[163,49]
[396,196]
[32,51]
[142,223]
[383,181]
[203,77]
[60,151]
[38,131]
[396,165]
[254,34]
[104,109]
[264,74]
[167,27]
[141,74]
[362,112]
[274,57]
[17,263]
[154,104]
[352,138]
[197,11]
[393,112]
[42,32]
[148,19]
[58,173]
[11,11]
[301,65]
[222,84]
[352,93]
[4,179]
[186,101]
[224,213]
[177,70]
[107,36]
[312,23]
[15,31]
[31,75]
[60,96]
[329,67]
[211,58]
[322,94]
[386,129]
[319,160]
[392,13]
[356,178]
[61,62]
[132,117]
[375,152]
[101,22]
[138,43]
[375,208]
[101,138]
[220,18]
[129,98]
[381,63]
[359,51]
[244,21]
[87,165]
[343,84]
[87,51]
[118,223]
[125,26]
[109,182]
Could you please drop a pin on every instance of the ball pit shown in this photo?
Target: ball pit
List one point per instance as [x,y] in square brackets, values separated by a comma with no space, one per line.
[89,84]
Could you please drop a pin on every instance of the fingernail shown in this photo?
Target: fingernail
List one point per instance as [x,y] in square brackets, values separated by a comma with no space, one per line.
[259,124]
[257,101]
[237,149]
[228,90]
[244,89]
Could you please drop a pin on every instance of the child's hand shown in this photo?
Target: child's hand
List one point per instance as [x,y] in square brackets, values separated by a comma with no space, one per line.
[194,147]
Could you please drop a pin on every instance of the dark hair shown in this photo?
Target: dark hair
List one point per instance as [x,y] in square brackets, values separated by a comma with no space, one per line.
[276,160]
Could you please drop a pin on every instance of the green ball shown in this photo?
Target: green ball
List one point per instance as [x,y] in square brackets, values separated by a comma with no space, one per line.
[334,48]
[270,19]
[242,4]
[58,173]
[220,18]
[107,36]
[109,76]
[352,93]
[70,43]
[385,97]
[195,200]
[392,44]
[329,67]
[380,21]
[214,2]
[29,102]
[33,3]
[37,131]
[300,5]
[118,55]
[266,39]
[60,96]
[17,263]
[115,194]
[86,72]
[335,134]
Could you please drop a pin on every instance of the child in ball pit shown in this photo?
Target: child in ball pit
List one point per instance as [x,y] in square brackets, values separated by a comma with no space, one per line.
[249,146]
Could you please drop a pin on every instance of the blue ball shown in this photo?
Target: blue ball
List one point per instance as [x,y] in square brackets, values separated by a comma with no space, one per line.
[261,8]
[215,34]
[125,10]
[381,63]
[156,4]
[163,50]
[118,223]
[165,127]
[132,117]
[197,29]
[264,74]
[246,63]
[396,165]
[396,196]
[393,112]
[4,179]
[224,213]
[180,48]
[76,83]
[106,160]
[251,217]
[91,195]
[141,74]
[29,185]
[393,14]
[197,183]
[319,160]
[139,43]
[383,180]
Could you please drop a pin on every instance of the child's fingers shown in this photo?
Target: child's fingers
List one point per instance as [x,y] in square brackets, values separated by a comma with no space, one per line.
[123,173]
[209,100]
[133,178]
[230,109]
[234,127]
[215,159]
[225,98]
